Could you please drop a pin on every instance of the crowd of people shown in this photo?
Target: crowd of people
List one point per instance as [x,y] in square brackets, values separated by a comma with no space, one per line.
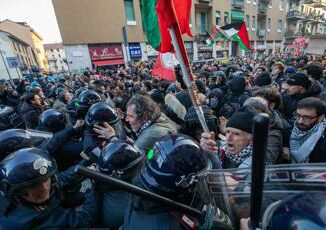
[143,130]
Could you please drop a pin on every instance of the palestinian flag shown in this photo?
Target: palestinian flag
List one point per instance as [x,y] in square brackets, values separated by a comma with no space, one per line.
[239,33]
[164,66]
[219,33]
[160,15]
[210,41]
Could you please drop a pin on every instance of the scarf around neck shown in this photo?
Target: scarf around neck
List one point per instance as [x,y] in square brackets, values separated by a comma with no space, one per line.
[240,157]
[144,126]
[303,142]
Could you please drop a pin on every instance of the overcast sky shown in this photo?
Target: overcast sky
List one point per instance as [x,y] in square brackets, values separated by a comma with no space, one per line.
[39,14]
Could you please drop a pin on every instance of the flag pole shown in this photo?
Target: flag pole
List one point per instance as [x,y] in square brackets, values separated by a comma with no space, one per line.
[186,71]
[187,76]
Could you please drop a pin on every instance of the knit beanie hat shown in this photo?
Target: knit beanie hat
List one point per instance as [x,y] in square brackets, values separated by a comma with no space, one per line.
[242,119]
[263,79]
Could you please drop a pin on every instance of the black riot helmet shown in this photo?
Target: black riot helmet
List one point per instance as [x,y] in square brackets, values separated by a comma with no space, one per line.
[172,167]
[102,112]
[305,210]
[99,113]
[121,160]
[52,120]
[79,91]
[12,140]
[192,124]
[86,99]
[26,167]
[10,118]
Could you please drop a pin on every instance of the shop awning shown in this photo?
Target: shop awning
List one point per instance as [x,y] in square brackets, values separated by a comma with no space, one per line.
[237,15]
[108,62]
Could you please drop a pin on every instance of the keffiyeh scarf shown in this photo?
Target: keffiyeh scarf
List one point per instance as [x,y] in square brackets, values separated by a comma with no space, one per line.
[240,157]
[303,142]
[143,127]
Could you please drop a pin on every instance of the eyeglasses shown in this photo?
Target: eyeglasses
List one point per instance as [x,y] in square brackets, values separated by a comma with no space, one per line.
[303,117]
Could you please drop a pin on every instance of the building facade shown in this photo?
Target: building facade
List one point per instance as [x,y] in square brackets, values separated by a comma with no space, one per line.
[305,19]
[9,62]
[29,36]
[56,57]
[97,26]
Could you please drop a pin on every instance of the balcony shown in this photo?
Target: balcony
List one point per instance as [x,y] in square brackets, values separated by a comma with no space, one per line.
[261,32]
[263,6]
[295,34]
[294,15]
[237,4]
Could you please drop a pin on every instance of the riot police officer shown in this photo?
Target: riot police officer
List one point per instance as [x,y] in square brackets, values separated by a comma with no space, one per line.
[98,115]
[31,182]
[65,142]
[172,170]
[121,160]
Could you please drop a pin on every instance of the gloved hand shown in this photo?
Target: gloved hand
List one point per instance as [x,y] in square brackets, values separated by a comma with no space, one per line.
[215,218]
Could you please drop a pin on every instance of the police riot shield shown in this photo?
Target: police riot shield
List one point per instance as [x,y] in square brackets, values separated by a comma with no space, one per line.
[280,182]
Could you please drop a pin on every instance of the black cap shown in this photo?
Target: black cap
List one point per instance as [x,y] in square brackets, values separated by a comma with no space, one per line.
[299,79]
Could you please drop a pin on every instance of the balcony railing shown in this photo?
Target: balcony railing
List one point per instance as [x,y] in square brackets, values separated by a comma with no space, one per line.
[291,33]
[237,3]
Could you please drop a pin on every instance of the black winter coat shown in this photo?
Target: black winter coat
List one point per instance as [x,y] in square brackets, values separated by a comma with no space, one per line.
[30,114]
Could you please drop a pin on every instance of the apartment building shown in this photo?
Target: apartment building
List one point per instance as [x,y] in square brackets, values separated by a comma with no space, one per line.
[28,35]
[56,56]
[305,18]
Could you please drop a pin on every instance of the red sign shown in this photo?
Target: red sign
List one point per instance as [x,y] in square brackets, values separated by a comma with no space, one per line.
[106,52]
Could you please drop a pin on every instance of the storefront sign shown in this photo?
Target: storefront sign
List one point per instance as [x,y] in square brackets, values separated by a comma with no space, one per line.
[135,50]
[105,52]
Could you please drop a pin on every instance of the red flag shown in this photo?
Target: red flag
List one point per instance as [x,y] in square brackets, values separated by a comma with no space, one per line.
[174,14]
[170,13]
[164,66]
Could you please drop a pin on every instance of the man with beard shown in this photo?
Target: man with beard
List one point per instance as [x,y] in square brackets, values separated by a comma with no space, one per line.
[62,100]
[308,137]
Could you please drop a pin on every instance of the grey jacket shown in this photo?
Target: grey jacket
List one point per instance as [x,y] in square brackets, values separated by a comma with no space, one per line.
[161,127]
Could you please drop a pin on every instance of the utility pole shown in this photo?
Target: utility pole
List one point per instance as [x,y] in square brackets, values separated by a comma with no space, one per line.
[126,45]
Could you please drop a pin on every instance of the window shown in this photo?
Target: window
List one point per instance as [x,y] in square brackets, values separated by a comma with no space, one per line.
[218,18]
[281,4]
[253,23]
[51,50]
[130,12]
[247,21]
[52,55]
[59,55]
[279,26]
[203,22]
[268,24]
[58,50]
[226,18]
